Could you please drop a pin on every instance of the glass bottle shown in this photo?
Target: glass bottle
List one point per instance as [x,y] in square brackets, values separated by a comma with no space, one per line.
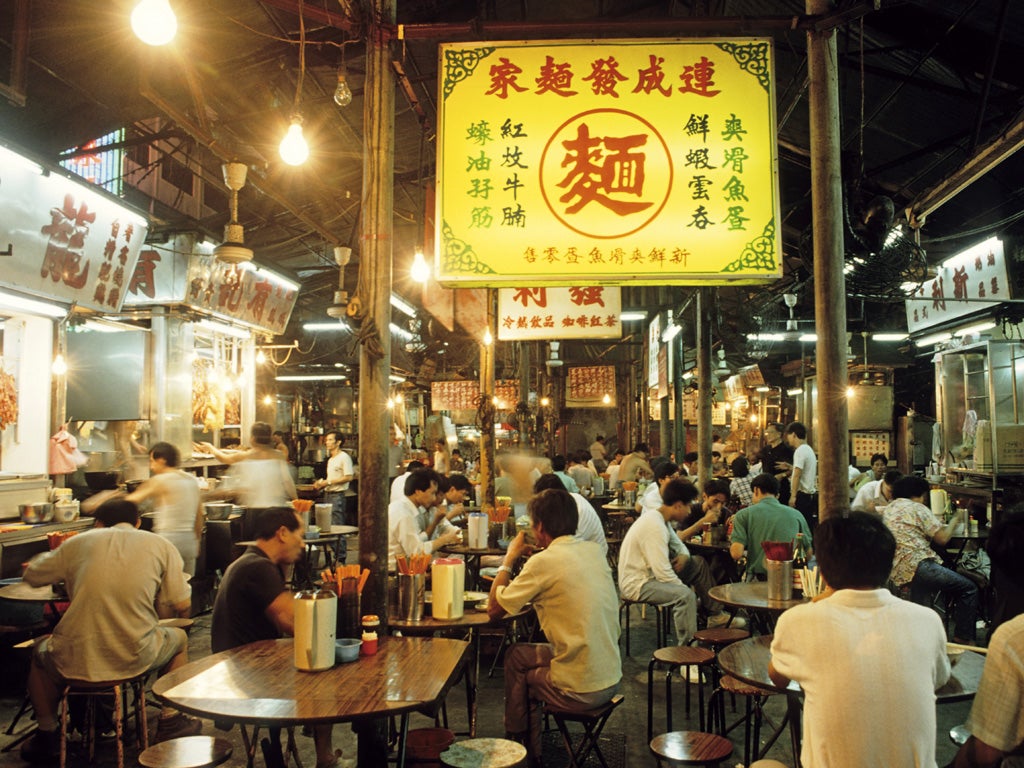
[799,563]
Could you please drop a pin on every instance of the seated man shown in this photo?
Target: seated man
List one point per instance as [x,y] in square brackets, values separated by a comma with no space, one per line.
[405,537]
[571,588]
[646,573]
[589,527]
[917,564]
[651,498]
[997,714]
[876,493]
[868,662]
[116,576]
[253,604]
[767,519]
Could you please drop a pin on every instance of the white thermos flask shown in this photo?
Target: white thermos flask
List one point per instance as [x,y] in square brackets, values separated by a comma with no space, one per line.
[316,616]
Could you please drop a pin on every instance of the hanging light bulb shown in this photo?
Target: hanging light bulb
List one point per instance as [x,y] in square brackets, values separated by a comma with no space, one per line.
[420,271]
[488,339]
[261,358]
[268,399]
[60,365]
[154,22]
[607,399]
[294,149]
[342,94]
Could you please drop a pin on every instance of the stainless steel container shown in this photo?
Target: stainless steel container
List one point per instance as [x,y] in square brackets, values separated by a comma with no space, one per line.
[38,512]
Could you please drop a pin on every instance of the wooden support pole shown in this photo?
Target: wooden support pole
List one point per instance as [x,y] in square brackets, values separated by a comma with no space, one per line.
[705,383]
[374,290]
[830,437]
[486,407]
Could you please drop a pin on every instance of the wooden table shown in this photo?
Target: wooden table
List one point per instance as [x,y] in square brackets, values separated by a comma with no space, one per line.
[469,625]
[258,684]
[747,660]
[753,597]
[23,592]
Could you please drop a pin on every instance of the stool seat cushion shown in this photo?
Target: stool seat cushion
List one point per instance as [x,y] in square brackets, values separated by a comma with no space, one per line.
[691,747]
[720,635]
[732,685]
[484,753]
[187,752]
[684,654]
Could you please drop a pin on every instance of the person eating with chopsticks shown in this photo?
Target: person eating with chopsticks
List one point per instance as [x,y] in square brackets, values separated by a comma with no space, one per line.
[405,536]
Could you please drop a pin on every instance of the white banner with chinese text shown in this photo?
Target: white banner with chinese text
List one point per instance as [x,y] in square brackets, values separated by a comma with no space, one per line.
[559,313]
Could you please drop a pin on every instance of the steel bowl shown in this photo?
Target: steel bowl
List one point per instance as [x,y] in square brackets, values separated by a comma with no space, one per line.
[218,511]
[39,512]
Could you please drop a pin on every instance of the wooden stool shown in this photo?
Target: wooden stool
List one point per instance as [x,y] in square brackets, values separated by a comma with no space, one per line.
[676,657]
[691,748]
[484,753]
[593,722]
[756,698]
[661,626]
[187,752]
[720,637]
[116,689]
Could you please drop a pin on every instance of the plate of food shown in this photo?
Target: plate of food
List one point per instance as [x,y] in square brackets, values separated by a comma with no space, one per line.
[482,606]
[474,597]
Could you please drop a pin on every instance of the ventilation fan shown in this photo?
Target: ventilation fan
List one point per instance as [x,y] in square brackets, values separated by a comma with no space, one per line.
[554,361]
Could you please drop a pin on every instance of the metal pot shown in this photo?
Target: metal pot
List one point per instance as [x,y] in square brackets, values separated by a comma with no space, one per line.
[103,481]
[100,460]
[39,512]
[218,511]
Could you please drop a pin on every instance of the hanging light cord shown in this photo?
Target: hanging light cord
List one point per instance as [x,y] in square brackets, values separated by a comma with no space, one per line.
[302,60]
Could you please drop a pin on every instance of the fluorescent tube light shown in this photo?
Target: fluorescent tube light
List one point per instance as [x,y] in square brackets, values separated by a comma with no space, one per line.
[978,328]
[809,337]
[224,330]
[794,391]
[671,332]
[888,336]
[334,325]
[402,305]
[935,338]
[399,331]
[12,303]
[396,378]
[632,316]
[313,377]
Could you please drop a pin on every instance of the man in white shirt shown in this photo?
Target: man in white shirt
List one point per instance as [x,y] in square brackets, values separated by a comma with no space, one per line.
[398,484]
[651,499]
[405,537]
[803,481]
[339,475]
[856,642]
[645,570]
[589,527]
[876,494]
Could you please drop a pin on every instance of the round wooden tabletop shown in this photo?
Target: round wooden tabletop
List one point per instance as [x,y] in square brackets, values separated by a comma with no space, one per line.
[752,595]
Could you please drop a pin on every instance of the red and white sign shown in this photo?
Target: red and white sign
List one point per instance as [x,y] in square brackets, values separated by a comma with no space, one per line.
[586,312]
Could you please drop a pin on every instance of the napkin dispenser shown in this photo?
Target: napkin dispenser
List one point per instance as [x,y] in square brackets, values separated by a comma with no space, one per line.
[316,616]
[447,585]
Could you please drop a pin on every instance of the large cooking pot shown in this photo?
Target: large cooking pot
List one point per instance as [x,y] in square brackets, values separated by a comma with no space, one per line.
[39,512]
[103,481]
[218,511]
[100,461]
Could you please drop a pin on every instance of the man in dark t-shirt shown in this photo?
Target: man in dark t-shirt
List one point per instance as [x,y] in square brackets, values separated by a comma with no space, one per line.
[253,604]
[774,453]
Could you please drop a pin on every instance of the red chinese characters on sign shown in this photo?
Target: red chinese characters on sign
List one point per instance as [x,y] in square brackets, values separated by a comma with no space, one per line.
[620,171]
[590,383]
[240,293]
[144,278]
[66,233]
[555,77]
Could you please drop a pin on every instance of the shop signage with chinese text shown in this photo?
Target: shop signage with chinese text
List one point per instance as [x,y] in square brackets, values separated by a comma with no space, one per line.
[588,386]
[63,239]
[970,282]
[607,162]
[179,273]
[559,313]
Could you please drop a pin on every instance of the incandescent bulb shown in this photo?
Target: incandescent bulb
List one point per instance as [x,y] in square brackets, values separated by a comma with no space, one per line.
[607,399]
[488,338]
[342,94]
[261,358]
[420,271]
[154,22]
[60,365]
[294,149]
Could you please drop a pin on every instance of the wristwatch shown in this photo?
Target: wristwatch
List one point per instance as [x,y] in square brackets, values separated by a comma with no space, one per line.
[505,568]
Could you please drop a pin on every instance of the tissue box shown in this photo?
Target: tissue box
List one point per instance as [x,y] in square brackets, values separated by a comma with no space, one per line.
[1009,452]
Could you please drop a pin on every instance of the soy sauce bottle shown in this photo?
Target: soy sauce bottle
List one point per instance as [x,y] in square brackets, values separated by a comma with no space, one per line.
[799,563]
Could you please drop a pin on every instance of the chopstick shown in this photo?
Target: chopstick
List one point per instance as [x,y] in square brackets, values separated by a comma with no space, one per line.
[961,647]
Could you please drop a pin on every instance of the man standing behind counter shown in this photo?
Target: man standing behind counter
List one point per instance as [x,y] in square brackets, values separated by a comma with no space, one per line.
[115,575]
[571,588]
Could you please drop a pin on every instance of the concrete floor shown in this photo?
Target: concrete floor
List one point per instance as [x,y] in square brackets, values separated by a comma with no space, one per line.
[625,742]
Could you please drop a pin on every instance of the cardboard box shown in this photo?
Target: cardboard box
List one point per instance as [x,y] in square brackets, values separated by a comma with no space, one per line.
[1008,449]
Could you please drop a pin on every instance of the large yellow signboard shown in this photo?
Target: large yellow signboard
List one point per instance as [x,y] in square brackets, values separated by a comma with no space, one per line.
[607,162]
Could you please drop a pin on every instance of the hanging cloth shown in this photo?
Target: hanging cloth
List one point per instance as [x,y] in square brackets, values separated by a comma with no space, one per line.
[64,454]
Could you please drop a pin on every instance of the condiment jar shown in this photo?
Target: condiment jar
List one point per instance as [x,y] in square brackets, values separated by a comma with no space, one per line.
[371,622]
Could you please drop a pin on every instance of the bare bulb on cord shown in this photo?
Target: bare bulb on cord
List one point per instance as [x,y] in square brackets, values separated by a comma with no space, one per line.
[294,149]
[342,94]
